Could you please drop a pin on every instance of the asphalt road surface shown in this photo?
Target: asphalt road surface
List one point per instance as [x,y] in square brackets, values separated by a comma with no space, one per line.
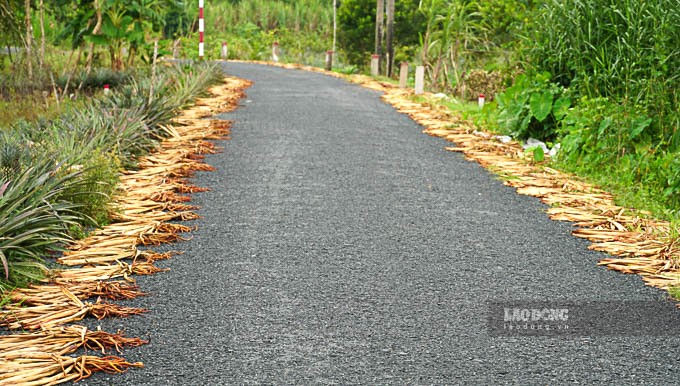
[340,245]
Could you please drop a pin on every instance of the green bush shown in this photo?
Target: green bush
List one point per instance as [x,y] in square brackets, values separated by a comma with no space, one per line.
[532,107]
[302,28]
[600,131]
[614,146]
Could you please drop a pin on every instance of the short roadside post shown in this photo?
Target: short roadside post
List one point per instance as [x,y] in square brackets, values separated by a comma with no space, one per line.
[225,51]
[175,49]
[375,65]
[275,52]
[403,74]
[420,79]
[329,60]
[481,100]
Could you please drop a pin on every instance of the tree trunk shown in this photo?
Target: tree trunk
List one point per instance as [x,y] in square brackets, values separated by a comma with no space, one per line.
[379,21]
[390,35]
[95,31]
[29,39]
[112,54]
[42,35]
[335,23]
[131,56]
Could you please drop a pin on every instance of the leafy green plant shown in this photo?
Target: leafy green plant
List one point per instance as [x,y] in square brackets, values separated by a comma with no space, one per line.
[615,148]
[536,153]
[532,107]
[99,170]
[674,292]
[598,128]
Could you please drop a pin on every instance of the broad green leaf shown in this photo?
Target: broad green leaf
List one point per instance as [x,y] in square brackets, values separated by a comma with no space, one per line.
[111,31]
[541,105]
[97,39]
[539,156]
[521,130]
[638,126]
[604,125]
[561,107]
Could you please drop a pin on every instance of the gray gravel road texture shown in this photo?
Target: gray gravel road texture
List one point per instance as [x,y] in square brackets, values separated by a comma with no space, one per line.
[340,245]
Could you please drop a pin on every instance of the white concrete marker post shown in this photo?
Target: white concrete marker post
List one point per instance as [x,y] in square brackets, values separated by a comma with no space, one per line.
[201,29]
[225,51]
[403,74]
[420,79]
[481,100]
[375,65]
[275,52]
[107,89]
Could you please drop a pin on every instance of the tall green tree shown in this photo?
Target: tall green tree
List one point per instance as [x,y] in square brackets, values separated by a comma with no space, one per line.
[356,28]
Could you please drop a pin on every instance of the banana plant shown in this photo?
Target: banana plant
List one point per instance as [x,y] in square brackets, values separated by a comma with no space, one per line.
[147,17]
[117,29]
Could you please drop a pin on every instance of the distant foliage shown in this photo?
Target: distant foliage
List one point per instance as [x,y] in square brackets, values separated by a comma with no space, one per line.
[299,16]
[356,34]
[302,28]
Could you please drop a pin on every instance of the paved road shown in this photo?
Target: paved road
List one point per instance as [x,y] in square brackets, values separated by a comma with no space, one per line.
[340,245]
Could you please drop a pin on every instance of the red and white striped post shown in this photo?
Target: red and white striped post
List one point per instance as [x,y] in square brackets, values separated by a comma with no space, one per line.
[201,29]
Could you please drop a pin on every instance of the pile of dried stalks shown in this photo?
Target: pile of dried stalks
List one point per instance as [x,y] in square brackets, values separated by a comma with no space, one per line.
[641,245]
[153,195]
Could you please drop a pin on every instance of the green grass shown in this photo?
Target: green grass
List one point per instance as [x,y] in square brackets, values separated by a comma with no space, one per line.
[28,108]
